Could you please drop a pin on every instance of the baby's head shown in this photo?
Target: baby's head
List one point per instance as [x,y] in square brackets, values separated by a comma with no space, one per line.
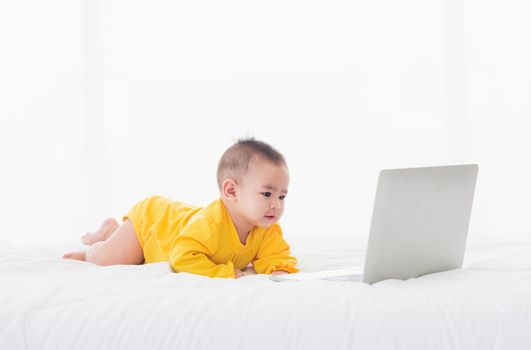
[253,180]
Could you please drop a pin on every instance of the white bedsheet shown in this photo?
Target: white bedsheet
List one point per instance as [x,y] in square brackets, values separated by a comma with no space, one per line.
[50,303]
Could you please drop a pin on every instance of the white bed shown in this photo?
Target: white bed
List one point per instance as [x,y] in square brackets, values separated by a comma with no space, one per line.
[49,303]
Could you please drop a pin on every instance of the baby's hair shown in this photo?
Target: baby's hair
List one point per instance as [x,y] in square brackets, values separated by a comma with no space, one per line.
[234,162]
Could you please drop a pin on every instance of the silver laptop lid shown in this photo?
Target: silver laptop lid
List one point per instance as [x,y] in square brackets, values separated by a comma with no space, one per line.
[420,221]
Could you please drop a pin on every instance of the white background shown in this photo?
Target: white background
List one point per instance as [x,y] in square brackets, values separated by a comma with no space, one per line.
[105,102]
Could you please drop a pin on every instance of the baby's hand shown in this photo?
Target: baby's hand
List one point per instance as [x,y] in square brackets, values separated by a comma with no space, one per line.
[249,271]
[237,273]
[279,272]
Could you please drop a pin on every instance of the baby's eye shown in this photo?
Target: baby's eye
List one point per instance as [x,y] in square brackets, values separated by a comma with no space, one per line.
[266,194]
[282,198]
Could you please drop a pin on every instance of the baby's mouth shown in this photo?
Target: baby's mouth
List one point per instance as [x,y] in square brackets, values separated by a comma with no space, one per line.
[270,217]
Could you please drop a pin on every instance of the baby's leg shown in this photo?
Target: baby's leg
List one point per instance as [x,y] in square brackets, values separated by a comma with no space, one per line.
[105,231]
[122,247]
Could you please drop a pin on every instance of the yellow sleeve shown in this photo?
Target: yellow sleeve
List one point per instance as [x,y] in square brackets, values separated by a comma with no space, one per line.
[274,254]
[191,250]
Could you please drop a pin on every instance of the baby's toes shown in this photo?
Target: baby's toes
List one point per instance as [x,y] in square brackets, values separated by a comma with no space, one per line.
[80,255]
[86,239]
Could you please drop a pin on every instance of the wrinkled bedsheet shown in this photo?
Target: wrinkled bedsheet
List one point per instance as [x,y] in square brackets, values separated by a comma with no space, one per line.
[50,303]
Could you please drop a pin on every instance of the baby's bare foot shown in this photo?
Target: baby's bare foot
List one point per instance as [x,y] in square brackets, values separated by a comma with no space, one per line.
[107,227]
[79,255]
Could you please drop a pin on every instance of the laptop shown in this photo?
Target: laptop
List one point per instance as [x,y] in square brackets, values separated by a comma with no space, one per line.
[419,225]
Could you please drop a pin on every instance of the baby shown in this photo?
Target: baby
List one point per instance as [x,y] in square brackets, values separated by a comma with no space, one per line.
[219,240]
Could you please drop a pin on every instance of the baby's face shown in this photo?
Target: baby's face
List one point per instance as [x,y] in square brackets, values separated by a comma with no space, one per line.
[262,193]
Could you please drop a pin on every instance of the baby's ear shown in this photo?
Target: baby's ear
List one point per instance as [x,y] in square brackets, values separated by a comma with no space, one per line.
[228,189]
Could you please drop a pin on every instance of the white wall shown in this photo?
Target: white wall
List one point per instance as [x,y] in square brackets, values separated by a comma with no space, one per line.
[111,101]
[43,160]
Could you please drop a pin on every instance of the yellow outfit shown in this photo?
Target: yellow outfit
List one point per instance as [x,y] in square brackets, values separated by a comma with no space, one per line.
[204,241]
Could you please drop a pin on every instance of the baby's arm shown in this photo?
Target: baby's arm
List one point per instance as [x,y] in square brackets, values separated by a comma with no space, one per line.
[192,248]
[274,256]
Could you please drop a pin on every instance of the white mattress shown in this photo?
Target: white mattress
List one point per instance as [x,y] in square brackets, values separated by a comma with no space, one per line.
[50,303]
